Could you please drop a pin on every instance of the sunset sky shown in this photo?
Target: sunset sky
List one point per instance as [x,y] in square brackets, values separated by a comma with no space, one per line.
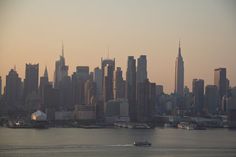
[31,31]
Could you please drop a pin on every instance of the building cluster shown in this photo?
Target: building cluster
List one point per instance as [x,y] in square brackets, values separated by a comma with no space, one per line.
[103,94]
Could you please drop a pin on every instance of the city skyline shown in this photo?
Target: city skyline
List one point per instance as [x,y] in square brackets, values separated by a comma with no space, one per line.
[62,64]
[62,59]
[33,34]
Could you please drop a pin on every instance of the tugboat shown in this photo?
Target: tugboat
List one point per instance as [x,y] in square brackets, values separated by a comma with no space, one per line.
[142,144]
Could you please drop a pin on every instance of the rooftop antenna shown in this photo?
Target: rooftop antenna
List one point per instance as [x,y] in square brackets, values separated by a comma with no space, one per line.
[179,53]
[14,67]
[108,51]
[62,49]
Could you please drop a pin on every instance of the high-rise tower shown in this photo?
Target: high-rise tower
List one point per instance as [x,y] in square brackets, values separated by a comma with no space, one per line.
[31,79]
[142,69]
[220,80]
[61,70]
[119,84]
[179,74]
[13,88]
[131,87]
[198,95]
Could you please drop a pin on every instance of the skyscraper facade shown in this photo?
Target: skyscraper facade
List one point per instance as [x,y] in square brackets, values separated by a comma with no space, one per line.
[78,84]
[146,93]
[43,83]
[65,90]
[220,80]
[108,83]
[31,79]
[97,78]
[141,69]
[119,84]
[179,74]
[131,87]
[13,89]
[211,99]
[198,95]
[90,92]
[111,64]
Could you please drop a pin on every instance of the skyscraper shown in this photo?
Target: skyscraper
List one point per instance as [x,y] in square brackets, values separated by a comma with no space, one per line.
[51,101]
[65,90]
[61,70]
[220,80]
[119,84]
[97,78]
[179,74]
[107,61]
[211,98]
[43,83]
[146,94]
[82,72]
[108,83]
[159,90]
[90,92]
[31,79]
[142,69]
[13,89]
[198,95]
[131,87]
[111,64]
[78,84]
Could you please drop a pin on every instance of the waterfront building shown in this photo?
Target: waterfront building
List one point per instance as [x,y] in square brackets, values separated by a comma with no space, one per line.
[64,115]
[146,94]
[85,112]
[116,111]
[231,107]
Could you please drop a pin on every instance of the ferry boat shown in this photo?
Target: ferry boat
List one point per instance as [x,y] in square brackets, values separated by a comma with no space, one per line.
[142,144]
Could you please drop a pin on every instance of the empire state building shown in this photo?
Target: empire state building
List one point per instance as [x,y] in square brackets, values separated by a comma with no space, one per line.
[179,74]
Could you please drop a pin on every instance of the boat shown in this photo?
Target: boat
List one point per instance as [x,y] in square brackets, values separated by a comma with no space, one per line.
[142,144]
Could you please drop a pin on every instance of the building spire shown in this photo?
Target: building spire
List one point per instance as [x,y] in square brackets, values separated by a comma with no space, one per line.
[62,49]
[179,53]
[45,72]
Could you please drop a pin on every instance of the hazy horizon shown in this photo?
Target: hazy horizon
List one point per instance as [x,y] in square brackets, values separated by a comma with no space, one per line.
[32,32]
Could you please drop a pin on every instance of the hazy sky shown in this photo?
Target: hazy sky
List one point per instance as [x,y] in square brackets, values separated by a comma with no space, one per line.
[31,31]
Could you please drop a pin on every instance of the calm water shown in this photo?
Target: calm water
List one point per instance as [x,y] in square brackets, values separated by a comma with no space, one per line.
[74,142]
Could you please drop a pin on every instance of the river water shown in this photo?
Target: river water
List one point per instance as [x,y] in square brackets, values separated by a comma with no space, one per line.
[116,142]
